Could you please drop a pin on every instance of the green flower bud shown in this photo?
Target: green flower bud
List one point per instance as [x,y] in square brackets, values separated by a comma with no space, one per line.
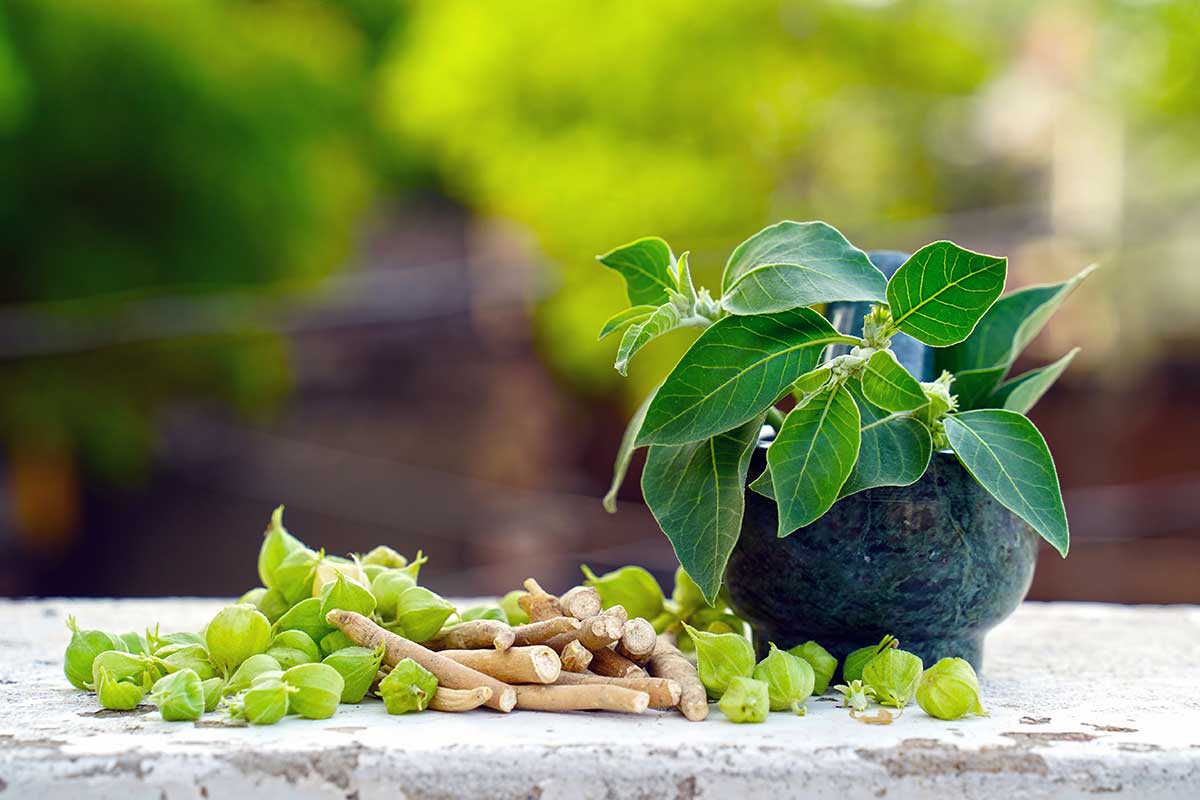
[332,642]
[372,571]
[384,556]
[189,656]
[745,700]
[290,648]
[789,679]
[387,587]
[632,587]
[135,643]
[856,696]
[179,696]
[305,616]
[125,668]
[214,690]
[852,668]
[347,595]
[950,690]
[721,657]
[358,667]
[82,651]
[265,702]
[277,545]
[483,612]
[894,675]
[235,634]
[687,595]
[318,690]
[512,608]
[253,597]
[408,687]
[330,567]
[420,614]
[250,669]
[273,605]
[823,664]
[116,694]
[294,575]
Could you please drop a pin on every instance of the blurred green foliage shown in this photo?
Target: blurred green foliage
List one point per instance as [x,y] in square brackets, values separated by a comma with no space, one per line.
[594,124]
[183,148]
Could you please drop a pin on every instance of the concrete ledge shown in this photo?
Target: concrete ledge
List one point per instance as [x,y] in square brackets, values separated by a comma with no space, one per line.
[1085,700]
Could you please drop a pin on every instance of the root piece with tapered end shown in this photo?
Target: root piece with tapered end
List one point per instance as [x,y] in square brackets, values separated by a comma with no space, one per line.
[582,698]
[538,603]
[449,673]
[473,635]
[460,699]
[667,662]
[542,632]
[534,664]
[581,602]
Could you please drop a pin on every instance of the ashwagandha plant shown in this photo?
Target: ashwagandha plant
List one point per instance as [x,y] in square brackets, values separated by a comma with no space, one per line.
[860,419]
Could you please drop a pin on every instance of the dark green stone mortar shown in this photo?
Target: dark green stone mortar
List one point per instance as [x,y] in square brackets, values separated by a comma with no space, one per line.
[937,564]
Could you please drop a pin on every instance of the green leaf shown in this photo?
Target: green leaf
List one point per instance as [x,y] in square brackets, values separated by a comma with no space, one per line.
[1008,456]
[940,293]
[622,318]
[980,362]
[625,453]
[889,386]
[895,449]
[795,264]
[733,372]
[648,267]
[697,492]
[812,457]
[1022,392]
[664,319]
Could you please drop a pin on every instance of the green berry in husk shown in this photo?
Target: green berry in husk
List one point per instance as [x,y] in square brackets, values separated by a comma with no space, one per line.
[250,669]
[358,667]
[789,679]
[235,634]
[950,690]
[823,664]
[179,696]
[721,657]
[82,650]
[745,700]
[408,687]
[852,667]
[318,690]
[291,648]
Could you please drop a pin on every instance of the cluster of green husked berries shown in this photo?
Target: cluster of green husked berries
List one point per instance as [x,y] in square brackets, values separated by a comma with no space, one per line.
[272,653]
[747,690]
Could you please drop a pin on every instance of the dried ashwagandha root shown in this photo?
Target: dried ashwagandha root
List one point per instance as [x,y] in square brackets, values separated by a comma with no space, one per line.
[595,633]
[542,632]
[667,662]
[663,693]
[581,602]
[460,699]
[534,664]
[582,698]
[473,635]
[609,663]
[637,641]
[575,657]
[538,603]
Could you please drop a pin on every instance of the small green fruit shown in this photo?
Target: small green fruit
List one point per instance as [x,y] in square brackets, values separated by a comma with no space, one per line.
[823,664]
[745,700]
[358,667]
[235,634]
[318,689]
[852,668]
[179,696]
[82,650]
[950,690]
[631,587]
[894,675]
[720,658]
[290,648]
[408,687]
[789,679]
[250,669]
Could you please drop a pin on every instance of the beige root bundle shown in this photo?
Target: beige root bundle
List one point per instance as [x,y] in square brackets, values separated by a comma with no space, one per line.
[573,655]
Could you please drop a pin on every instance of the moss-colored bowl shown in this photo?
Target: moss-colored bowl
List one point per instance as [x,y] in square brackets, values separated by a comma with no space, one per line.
[937,564]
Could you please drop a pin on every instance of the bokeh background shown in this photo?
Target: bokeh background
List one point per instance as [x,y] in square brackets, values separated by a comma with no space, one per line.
[338,254]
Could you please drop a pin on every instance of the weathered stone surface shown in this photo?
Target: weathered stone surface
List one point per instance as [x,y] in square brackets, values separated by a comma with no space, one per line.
[1085,700]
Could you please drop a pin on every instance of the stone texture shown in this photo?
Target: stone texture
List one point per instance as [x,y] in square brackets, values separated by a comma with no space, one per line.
[1085,700]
